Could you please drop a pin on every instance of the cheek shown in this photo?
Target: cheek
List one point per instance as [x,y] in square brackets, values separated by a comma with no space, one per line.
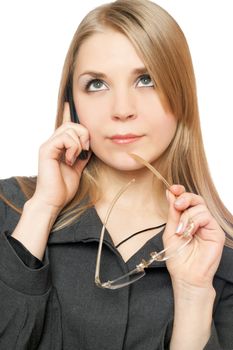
[93,127]
[160,122]
[165,131]
[92,121]
[88,118]
[168,126]
[155,114]
[90,113]
[93,115]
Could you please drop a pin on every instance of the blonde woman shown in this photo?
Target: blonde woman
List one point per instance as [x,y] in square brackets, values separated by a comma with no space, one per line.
[121,242]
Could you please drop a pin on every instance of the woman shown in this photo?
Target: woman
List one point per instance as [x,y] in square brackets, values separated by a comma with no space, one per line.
[127,98]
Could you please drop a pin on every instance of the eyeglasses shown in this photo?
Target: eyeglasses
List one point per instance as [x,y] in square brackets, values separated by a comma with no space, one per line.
[139,271]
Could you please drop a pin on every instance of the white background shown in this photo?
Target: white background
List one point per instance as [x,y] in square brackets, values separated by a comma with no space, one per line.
[34,38]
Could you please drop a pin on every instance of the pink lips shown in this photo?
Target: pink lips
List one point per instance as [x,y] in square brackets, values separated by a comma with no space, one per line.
[125,139]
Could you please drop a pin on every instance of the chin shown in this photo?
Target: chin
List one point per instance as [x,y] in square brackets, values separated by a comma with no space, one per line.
[124,162]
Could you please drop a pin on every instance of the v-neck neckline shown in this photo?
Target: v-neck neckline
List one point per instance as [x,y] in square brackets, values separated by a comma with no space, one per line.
[152,244]
[88,227]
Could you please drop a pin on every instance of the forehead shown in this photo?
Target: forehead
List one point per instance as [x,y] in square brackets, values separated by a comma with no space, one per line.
[107,49]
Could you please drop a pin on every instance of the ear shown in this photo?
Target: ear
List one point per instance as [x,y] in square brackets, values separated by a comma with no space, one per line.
[66,113]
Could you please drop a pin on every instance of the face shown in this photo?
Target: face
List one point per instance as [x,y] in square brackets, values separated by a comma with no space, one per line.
[116,100]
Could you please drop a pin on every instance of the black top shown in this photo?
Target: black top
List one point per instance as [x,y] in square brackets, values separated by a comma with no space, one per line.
[58,306]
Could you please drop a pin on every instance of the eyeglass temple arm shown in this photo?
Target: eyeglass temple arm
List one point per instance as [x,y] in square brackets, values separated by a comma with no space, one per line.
[97,278]
[149,166]
[157,174]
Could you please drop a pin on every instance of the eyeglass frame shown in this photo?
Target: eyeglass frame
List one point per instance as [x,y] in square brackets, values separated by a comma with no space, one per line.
[154,256]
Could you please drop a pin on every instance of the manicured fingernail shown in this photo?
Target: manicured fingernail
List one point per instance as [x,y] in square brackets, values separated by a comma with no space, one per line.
[179,227]
[189,229]
[167,195]
[73,160]
[87,145]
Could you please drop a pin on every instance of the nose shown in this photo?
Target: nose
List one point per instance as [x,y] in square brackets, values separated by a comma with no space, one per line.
[123,105]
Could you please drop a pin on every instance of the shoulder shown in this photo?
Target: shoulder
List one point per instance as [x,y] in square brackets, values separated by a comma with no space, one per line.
[225,269]
[12,198]
[11,191]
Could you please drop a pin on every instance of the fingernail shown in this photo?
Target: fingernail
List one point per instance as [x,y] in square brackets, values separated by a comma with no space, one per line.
[73,160]
[179,228]
[167,195]
[87,145]
[189,229]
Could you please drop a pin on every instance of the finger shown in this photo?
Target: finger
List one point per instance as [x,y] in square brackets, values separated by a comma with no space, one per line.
[81,163]
[202,219]
[73,152]
[59,145]
[173,216]
[174,222]
[177,190]
[188,216]
[80,130]
[186,200]
[66,113]
[73,134]
[200,216]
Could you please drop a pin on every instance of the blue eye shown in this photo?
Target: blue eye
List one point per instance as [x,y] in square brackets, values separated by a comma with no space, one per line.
[98,85]
[145,81]
[95,85]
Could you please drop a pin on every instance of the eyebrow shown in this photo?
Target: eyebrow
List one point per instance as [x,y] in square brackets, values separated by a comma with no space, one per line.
[100,75]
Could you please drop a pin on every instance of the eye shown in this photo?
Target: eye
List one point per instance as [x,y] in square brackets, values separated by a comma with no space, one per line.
[145,81]
[95,85]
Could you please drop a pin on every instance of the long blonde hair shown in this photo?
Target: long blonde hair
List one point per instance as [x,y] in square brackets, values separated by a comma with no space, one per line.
[162,46]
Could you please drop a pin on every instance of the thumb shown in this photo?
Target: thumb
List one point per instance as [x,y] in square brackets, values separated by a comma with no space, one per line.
[173,217]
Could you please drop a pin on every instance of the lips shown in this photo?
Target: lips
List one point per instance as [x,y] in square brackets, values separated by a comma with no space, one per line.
[125,138]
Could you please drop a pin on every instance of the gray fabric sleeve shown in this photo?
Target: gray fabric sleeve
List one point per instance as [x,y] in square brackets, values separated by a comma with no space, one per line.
[222,326]
[213,342]
[23,253]
[29,305]
[15,274]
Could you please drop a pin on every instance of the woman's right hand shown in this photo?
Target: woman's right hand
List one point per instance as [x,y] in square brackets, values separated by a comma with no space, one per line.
[59,170]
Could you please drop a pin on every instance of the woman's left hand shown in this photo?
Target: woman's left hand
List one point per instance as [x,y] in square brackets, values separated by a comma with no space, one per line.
[197,263]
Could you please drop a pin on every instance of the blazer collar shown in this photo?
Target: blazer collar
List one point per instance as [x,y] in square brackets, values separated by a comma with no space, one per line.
[88,228]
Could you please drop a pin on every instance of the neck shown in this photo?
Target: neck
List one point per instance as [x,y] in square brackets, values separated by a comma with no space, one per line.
[146,194]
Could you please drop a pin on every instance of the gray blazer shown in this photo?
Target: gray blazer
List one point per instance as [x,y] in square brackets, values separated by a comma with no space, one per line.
[58,306]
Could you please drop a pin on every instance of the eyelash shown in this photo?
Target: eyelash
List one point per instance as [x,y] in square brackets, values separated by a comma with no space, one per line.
[92,81]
